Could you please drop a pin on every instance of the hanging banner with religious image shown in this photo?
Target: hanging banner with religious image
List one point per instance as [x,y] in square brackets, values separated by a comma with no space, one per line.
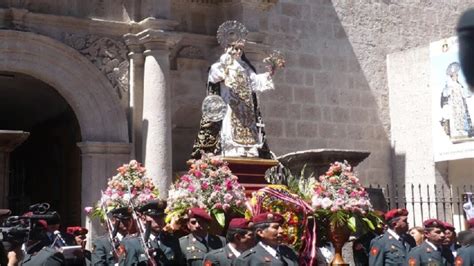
[452,104]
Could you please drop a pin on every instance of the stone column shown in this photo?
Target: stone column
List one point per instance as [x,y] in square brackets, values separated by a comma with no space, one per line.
[136,95]
[100,161]
[157,107]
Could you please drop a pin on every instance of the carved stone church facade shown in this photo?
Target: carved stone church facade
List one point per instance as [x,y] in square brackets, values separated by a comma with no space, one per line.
[116,80]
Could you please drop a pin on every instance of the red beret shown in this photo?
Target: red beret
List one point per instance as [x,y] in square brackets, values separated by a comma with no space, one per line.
[431,223]
[267,217]
[239,223]
[76,230]
[43,223]
[470,223]
[395,213]
[448,226]
[199,213]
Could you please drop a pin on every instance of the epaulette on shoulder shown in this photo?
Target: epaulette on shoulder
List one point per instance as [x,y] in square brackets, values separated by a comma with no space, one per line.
[378,237]
[248,253]
[183,238]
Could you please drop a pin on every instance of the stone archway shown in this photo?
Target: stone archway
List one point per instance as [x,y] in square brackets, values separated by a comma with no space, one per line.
[102,121]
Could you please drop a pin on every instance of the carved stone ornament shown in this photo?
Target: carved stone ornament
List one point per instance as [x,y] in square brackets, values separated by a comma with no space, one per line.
[108,55]
[191,52]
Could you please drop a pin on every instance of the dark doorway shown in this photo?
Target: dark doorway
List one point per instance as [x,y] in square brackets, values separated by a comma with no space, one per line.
[47,166]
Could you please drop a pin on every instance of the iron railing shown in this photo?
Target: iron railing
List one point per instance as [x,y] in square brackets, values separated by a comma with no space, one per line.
[425,201]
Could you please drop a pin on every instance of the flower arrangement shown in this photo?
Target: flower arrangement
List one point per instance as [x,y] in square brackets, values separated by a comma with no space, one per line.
[128,187]
[278,199]
[339,199]
[209,184]
[275,60]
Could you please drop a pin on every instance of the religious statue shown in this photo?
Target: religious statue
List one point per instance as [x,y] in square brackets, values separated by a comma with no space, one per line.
[456,119]
[232,124]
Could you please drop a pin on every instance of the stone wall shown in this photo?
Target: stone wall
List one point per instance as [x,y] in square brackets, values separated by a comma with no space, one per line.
[333,93]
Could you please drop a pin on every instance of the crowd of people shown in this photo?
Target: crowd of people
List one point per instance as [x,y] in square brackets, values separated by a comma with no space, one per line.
[436,243]
[186,241]
[190,240]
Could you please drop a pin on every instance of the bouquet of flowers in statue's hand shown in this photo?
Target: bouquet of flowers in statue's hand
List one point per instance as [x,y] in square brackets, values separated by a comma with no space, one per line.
[209,184]
[128,187]
[339,199]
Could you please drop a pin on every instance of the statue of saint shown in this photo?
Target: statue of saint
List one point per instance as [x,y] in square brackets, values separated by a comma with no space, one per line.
[232,124]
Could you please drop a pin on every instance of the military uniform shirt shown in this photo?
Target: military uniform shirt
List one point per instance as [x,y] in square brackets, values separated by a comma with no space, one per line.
[465,256]
[258,255]
[386,249]
[426,255]
[134,252]
[220,257]
[102,252]
[194,250]
[166,249]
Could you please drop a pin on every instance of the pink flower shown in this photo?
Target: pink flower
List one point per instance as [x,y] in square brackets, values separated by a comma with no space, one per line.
[227,197]
[217,206]
[185,178]
[228,184]
[88,210]
[191,188]
[341,191]
[198,174]
[204,185]
[226,207]
[217,188]
[339,202]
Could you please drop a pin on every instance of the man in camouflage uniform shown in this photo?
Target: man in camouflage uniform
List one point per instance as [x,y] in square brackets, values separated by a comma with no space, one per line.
[239,237]
[269,249]
[391,247]
[429,252]
[199,242]
[164,246]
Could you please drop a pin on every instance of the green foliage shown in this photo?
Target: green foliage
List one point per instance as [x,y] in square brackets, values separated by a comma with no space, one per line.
[300,184]
[219,215]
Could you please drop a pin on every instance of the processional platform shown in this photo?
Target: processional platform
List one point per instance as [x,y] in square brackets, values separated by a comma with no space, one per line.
[251,171]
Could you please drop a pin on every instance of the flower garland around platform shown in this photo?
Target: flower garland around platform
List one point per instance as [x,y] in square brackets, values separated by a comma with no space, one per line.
[340,200]
[278,199]
[208,184]
[128,186]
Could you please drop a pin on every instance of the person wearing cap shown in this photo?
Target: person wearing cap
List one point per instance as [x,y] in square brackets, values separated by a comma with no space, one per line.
[80,234]
[239,237]
[429,252]
[105,251]
[449,246]
[269,249]
[199,242]
[391,248]
[165,246]
[465,254]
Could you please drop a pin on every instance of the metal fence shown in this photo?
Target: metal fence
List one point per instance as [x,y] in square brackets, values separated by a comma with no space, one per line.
[425,201]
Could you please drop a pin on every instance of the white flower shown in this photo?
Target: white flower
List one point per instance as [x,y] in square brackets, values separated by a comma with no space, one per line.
[326,203]
[316,202]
